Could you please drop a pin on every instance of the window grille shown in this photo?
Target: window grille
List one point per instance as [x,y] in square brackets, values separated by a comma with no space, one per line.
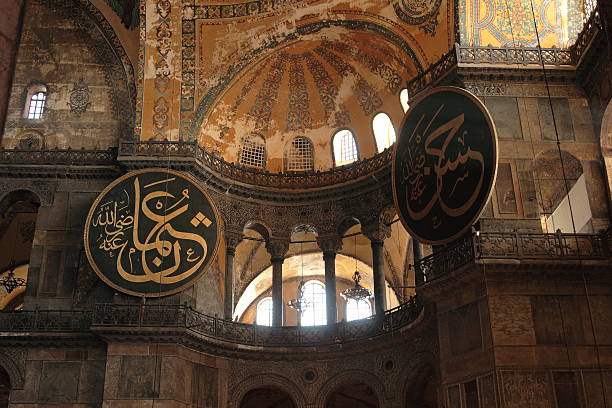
[264,312]
[253,152]
[384,133]
[345,148]
[37,105]
[316,313]
[299,156]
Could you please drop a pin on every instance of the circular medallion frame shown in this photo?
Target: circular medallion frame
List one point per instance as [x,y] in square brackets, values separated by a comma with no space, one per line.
[212,218]
[418,106]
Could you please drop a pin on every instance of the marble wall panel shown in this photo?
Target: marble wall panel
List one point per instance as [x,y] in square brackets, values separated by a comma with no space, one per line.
[527,389]
[59,382]
[511,320]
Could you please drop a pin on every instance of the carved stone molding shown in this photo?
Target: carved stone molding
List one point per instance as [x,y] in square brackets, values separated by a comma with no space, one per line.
[486,89]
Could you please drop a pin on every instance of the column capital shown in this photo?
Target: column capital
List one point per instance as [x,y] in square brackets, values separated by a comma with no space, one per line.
[376,231]
[232,240]
[330,244]
[277,248]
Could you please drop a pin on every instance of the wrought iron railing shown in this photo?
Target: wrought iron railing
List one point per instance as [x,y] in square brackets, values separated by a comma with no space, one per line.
[191,150]
[434,73]
[520,246]
[589,31]
[168,316]
[57,156]
[45,321]
[514,55]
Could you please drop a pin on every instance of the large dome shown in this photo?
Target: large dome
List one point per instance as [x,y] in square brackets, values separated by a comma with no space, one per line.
[332,80]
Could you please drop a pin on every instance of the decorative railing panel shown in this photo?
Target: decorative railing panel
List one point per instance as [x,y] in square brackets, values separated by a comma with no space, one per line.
[521,246]
[58,156]
[248,175]
[514,55]
[45,321]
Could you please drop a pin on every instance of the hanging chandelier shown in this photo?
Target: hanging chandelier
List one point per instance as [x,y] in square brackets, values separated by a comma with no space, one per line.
[300,303]
[357,292]
[11,282]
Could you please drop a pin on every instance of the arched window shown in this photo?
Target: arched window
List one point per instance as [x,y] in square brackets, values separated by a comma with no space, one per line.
[357,309]
[315,314]
[253,151]
[264,312]
[36,98]
[404,99]
[299,155]
[383,131]
[345,148]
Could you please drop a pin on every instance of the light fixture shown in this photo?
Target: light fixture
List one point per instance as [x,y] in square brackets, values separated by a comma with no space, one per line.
[357,292]
[10,282]
[300,303]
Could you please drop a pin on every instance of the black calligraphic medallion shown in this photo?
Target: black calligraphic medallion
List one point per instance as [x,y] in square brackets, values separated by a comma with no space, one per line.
[444,165]
[152,232]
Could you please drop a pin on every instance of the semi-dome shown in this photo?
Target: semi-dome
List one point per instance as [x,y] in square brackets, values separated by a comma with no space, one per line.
[309,89]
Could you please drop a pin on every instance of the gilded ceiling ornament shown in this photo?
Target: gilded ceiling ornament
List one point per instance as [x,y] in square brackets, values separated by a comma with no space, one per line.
[79,99]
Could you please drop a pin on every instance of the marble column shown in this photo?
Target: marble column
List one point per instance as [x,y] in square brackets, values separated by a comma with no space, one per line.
[277,250]
[330,287]
[376,232]
[417,252]
[330,245]
[231,242]
[378,270]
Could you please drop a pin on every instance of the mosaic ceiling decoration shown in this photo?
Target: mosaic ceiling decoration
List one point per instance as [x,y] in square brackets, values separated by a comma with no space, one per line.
[507,23]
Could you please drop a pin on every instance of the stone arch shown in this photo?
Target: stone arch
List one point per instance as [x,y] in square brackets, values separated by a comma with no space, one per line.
[350,376]
[29,139]
[556,175]
[302,227]
[414,378]
[260,227]
[270,396]
[14,370]
[264,381]
[346,224]
[14,202]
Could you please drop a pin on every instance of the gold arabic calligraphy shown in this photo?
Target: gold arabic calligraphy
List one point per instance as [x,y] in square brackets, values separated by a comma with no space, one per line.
[414,169]
[122,228]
